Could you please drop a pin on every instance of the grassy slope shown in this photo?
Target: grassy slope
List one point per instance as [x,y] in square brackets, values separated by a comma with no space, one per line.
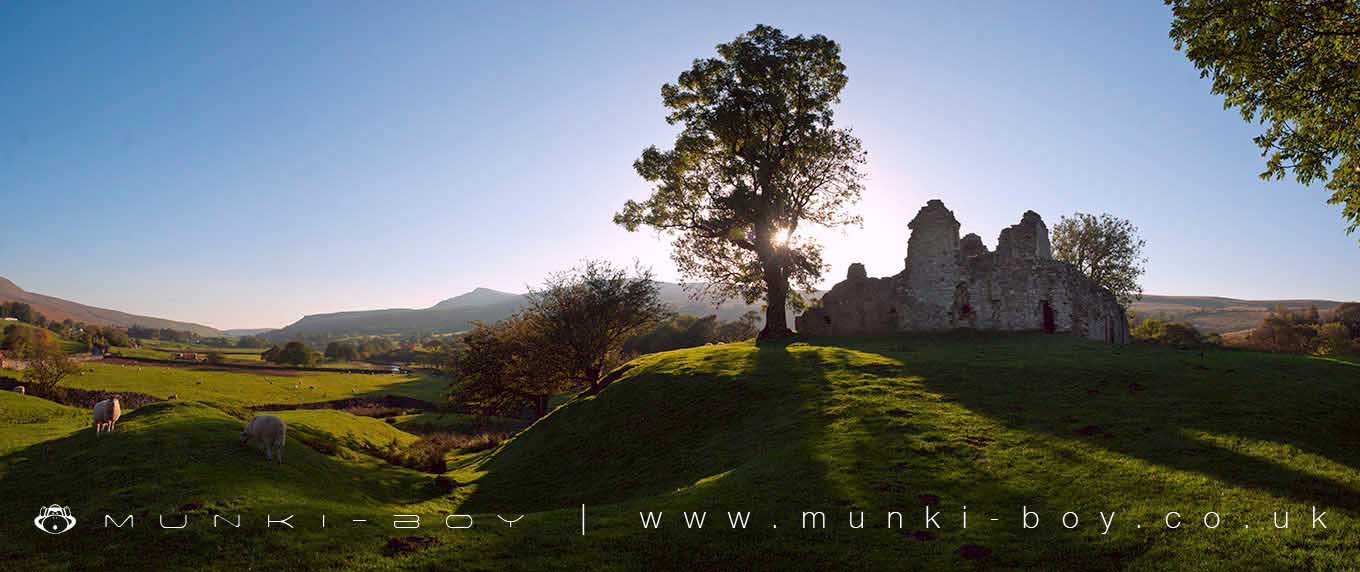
[342,429]
[246,387]
[991,423]
[27,420]
[169,455]
[836,426]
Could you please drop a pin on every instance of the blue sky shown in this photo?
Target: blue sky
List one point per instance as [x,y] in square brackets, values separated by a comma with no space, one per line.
[241,164]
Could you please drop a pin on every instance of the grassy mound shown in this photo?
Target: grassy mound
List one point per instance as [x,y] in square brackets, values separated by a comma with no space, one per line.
[993,423]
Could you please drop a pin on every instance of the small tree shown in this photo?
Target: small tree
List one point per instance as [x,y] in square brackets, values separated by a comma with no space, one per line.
[587,313]
[502,369]
[47,367]
[292,353]
[1106,248]
[758,157]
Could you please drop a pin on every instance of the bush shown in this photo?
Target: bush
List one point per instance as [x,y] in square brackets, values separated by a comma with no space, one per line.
[1283,332]
[1332,339]
[1184,336]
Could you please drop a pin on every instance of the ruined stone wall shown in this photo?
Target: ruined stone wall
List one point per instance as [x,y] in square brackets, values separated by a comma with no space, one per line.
[857,305]
[952,283]
[932,272]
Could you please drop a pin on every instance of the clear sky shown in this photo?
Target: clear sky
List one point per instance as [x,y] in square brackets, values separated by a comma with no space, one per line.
[241,164]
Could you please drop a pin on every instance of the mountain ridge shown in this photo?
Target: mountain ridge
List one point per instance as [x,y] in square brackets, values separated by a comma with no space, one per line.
[59,309]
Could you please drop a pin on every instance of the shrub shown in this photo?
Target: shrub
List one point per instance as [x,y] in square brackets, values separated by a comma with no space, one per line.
[1182,336]
[1333,338]
[1281,332]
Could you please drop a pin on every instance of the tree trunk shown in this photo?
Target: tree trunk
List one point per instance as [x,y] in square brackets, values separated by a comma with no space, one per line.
[540,406]
[776,299]
[593,374]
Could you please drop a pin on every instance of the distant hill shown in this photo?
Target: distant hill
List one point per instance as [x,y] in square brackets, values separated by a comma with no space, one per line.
[59,309]
[246,331]
[457,314]
[1212,314]
[479,297]
[452,318]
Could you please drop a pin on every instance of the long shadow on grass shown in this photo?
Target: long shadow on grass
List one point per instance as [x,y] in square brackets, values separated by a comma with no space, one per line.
[1185,410]
[793,429]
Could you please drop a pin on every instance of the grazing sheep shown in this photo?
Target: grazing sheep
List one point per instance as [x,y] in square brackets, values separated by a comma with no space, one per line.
[269,430]
[106,413]
[20,390]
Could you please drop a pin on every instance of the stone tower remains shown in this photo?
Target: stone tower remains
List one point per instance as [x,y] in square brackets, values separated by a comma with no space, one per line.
[952,283]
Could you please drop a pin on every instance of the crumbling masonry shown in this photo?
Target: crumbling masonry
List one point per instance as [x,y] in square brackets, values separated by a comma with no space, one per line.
[951,283]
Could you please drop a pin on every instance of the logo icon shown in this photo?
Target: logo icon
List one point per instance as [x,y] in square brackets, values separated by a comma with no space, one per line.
[55,519]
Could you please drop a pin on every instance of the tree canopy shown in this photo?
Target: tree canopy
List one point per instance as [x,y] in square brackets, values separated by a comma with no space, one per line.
[1294,67]
[572,330]
[757,157]
[1105,248]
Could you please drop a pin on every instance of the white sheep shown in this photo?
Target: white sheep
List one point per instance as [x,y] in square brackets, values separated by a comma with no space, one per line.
[20,390]
[269,430]
[106,413]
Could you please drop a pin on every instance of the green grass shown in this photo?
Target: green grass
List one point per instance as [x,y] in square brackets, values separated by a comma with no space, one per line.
[251,387]
[991,422]
[340,429]
[171,456]
[27,420]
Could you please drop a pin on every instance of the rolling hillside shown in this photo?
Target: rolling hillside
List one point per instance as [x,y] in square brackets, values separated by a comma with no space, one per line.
[59,309]
[1212,314]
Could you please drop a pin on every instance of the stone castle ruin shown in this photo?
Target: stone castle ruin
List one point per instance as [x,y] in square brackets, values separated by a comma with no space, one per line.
[957,283]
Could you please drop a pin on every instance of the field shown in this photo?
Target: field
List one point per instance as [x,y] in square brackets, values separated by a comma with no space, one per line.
[237,387]
[156,349]
[995,423]
[163,350]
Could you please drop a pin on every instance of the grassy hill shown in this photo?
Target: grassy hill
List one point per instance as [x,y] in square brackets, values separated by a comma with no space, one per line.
[993,423]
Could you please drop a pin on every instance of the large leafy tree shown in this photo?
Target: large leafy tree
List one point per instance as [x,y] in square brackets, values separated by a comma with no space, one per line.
[757,157]
[1105,248]
[1294,67]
